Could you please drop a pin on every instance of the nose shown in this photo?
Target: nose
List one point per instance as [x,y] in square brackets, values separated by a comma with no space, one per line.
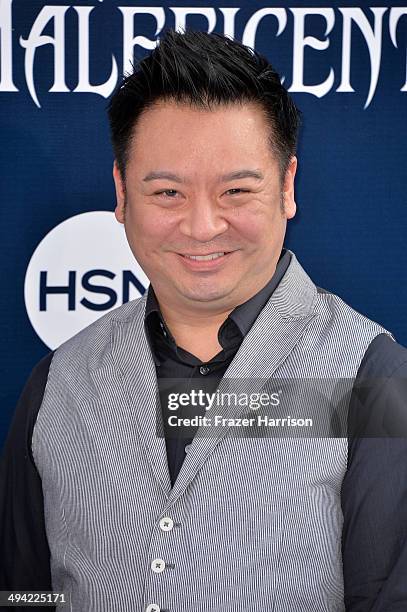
[203,220]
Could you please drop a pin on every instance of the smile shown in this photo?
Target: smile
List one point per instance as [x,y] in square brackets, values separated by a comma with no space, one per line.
[205,257]
[205,263]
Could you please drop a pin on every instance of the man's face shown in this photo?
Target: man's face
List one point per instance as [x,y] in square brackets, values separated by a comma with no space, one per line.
[221,195]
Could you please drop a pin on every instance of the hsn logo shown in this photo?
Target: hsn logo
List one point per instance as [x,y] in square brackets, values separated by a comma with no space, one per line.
[81,269]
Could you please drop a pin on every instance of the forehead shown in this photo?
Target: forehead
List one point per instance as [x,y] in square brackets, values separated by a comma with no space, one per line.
[171,131]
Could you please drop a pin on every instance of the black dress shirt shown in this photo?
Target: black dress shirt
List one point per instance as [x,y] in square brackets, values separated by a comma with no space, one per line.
[374,490]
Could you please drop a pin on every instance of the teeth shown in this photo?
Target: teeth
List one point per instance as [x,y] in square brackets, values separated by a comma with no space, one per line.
[205,257]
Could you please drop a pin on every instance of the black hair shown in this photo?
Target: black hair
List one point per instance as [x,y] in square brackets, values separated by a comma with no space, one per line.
[203,70]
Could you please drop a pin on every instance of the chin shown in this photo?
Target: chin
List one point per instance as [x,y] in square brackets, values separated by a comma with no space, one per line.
[208,295]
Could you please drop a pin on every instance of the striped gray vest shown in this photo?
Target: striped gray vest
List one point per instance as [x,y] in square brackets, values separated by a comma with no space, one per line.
[255,522]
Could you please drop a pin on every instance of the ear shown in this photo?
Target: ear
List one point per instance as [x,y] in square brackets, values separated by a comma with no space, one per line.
[120,193]
[290,206]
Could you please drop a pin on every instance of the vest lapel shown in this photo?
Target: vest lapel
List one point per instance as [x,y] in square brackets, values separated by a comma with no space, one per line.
[132,356]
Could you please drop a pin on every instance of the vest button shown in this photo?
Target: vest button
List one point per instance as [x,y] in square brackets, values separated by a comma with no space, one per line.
[153,608]
[166,523]
[158,566]
[204,370]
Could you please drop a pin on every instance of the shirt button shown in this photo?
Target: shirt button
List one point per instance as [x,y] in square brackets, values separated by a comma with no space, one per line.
[188,446]
[166,523]
[153,608]
[158,566]
[163,328]
[204,370]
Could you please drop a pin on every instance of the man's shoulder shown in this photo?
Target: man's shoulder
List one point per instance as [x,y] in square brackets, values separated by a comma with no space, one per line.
[90,349]
[332,316]
[384,358]
[384,355]
[98,333]
[337,310]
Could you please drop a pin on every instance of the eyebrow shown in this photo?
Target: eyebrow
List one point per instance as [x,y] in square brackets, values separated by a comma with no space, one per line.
[161,174]
[239,174]
[231,176]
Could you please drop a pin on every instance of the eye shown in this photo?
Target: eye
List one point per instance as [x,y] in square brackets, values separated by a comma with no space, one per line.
[238,190]
[166,192]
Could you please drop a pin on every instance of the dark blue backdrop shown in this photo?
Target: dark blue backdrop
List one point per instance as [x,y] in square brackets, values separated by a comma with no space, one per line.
[351,226]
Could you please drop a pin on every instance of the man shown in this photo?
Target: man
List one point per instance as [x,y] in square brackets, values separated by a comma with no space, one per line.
[96,503]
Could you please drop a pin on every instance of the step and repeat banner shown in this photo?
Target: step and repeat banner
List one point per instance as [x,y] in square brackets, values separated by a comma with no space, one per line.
[64,257]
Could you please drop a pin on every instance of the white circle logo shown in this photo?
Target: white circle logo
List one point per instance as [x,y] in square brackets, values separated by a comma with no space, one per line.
[81,269]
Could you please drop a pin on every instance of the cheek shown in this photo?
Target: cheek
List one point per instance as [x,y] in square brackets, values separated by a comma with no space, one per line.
[255,225]
[149,226]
